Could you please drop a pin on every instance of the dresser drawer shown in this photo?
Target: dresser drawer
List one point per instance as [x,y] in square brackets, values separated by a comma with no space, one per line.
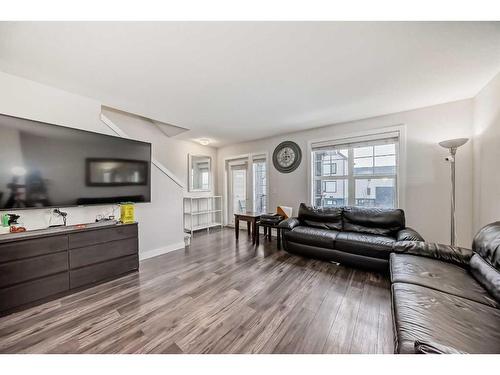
[94,237]
[31,291]
[84,256]
[28,248]
[32,268]
[102,271]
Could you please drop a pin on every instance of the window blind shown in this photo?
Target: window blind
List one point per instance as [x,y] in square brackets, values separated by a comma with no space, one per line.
[236,162]
[368,140]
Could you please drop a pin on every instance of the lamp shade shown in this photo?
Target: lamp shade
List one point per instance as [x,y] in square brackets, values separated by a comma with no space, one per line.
[453,143]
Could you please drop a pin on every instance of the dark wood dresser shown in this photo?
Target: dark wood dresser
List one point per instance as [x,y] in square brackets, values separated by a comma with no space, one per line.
[37,266]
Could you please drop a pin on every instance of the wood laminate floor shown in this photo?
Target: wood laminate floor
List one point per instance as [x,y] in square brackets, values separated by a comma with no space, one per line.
[217,296]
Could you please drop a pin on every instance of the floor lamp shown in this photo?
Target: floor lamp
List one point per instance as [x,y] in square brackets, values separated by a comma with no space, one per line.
[452,145]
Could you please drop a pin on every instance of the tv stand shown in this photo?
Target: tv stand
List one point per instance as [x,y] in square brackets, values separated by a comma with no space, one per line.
[37,266]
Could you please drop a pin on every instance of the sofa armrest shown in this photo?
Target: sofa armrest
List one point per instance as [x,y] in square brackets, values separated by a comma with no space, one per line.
[408,234]
[446,253]
[289,223]
[422,347]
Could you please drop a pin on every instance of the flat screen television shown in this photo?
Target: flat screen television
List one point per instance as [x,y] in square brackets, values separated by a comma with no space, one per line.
[45,165]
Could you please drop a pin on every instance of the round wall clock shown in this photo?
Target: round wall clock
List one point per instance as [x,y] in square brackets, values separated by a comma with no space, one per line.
[287,156]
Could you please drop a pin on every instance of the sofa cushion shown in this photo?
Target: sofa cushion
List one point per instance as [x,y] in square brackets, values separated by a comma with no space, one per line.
[379,221]
[312,236]
[319,217]
[446,253]
[434,348]
[485,266]
[487,244]
[435,274]
[365,244]
[486,275]
[428,315]
[332,255]
[408,234]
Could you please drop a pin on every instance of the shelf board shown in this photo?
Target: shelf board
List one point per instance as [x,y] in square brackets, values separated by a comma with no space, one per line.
[202,212]
[204,226]
[197,198]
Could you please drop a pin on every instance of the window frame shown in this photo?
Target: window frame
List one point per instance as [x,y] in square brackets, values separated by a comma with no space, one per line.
[397,131]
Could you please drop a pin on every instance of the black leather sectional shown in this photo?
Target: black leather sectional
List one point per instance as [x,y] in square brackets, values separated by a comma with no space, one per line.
[355,236]
[447,299]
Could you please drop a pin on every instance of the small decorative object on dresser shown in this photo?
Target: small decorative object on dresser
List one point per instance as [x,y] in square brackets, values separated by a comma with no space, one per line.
[127,213]
[287,156]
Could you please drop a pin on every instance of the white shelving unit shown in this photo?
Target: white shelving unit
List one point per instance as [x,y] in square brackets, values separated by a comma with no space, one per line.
[202,213]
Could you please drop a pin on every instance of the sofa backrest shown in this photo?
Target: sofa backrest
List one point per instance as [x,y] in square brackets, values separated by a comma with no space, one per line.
[485,264]
[381,221]
[326,218]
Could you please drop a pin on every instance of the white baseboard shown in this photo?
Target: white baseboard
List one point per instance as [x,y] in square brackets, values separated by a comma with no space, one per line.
[162,250]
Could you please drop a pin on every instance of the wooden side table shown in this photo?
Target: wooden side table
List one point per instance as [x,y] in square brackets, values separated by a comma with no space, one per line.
[251,218]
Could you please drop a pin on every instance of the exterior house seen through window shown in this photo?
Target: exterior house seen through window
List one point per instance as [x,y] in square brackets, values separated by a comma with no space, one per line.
[355,173]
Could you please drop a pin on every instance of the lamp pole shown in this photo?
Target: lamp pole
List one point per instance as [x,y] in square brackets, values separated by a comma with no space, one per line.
[452,146]
[453,151]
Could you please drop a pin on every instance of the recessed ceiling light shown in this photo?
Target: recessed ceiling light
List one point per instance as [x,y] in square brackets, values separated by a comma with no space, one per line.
[204,141]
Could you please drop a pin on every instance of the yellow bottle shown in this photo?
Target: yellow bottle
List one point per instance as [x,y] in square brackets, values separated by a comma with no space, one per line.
[127,213]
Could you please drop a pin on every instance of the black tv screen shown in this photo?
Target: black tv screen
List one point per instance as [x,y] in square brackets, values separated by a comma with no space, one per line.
[44,165]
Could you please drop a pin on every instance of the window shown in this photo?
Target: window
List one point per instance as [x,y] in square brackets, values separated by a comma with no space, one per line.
[259,185]
[330,186]
[354,173]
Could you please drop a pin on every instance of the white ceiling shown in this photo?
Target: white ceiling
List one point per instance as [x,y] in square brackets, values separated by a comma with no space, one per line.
[236,81]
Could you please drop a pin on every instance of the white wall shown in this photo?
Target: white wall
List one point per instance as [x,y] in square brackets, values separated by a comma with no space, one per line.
[171,152]
[427,193]
[426,199]
[160,221]
[487,154]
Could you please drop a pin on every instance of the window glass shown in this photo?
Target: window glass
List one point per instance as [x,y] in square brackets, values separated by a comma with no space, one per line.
[259,186]
[330,163]
[331,193]
[371,174]
[363,151]
[330,186]
[363,165]
[387,149]
[377,192]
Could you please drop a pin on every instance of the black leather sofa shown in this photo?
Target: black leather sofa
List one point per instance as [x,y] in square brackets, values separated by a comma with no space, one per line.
[354,236]
[447,299]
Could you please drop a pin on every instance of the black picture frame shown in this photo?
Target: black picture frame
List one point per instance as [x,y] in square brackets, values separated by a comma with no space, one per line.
[88,174]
